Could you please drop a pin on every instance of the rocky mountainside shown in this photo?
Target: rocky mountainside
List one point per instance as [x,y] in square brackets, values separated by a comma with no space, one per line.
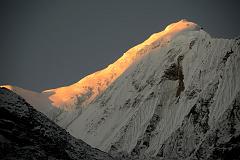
[177,98]
[27,134]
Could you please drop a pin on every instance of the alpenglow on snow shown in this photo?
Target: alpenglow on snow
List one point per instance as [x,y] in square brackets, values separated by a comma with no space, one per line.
[174,96]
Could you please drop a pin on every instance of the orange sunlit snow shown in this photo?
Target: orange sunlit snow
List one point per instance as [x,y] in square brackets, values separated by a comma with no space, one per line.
[84,91]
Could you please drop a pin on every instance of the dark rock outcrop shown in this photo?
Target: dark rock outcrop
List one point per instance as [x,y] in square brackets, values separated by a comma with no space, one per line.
[28,134]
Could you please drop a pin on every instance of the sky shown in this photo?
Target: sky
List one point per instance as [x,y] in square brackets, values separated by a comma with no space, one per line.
[52,43]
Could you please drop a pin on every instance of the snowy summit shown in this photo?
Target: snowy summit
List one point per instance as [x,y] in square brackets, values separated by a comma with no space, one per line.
[174,96]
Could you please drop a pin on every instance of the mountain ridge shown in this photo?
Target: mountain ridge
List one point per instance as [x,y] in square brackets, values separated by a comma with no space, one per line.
[84,87]
[26,134]
[177,92]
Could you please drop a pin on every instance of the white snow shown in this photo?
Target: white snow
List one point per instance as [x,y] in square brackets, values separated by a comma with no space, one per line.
[108,121]
[114,106]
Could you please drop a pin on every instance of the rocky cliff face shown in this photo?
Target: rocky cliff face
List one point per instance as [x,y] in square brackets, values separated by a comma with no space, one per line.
[27,134]
[178,99]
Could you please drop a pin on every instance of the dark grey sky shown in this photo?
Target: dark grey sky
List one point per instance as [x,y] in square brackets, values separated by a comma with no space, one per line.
[51,43]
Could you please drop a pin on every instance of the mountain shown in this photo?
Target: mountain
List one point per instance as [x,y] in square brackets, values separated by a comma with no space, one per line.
[174,96]
[40,101]
[28,134]
[64,104]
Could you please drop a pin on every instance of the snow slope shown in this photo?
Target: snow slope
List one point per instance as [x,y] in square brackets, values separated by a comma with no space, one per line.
[147,104]
[84,91]
[162,98]
[71,100]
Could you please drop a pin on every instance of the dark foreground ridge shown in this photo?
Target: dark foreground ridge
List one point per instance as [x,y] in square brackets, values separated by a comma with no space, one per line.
[28,134]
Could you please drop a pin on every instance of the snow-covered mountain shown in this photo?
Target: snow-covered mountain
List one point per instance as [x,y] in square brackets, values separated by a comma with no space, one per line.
[174,96]
[27,134]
